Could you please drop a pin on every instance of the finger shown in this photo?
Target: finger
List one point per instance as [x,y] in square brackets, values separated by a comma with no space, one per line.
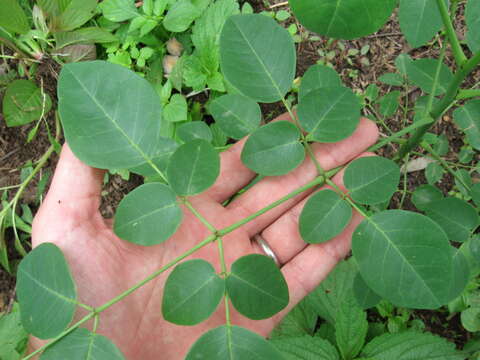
[283,236]
[234,175]
[75,187]
[273,188]
[311,266]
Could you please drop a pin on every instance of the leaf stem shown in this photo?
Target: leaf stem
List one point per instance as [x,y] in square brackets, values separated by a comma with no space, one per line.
[200,217]
[458,53]
[223,266]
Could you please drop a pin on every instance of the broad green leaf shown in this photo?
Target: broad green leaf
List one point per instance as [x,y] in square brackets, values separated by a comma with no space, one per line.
[401,62]
[232,343]
[236,115]
[192,293]
[257,57]
[180,16]
[46,291]
[194,130]
[77,13]
[424,195]
[257,297]
[148,215]
[13,337]
[193,168]
[419,20]
[332,291]
[467,118]
[305,347]
[166,147]
[85,35]
[456,217]
[119,10]
[24,102]
[371,180]
[470,319]
[176,110]
[475,194]
[463,181]
[101,125]
[389,103]
[461,270]
[81,344]
[366,297]
[411,345]
[404,257]
[329,114]
[12,17]
[472,17]
[324,216]
[351,327]
[300,321]
[317,77]
[343,19]
[429,74]
[434,173]
[274,149]
[393,79]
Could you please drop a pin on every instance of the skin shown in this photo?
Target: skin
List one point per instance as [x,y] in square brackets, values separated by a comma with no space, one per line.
[104,266]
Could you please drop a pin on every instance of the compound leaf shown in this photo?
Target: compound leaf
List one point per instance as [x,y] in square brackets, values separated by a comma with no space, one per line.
[411,345]
[12,17]
[324,216]
[424,195]
[371,180]
[193,168]
[429,74]
[472,17]
[317,77]
[456,217]
[257,297]
[257,57]
[274,149]
[351,327]
[343,19]
[232,343]
[306,347]
[236,115]
[46,291]
[24,102]
[101,126]
[404,257]
[329,114]
[148,215]
[194,130]
[467,118]
[420,20]
[81,344]
[192,293]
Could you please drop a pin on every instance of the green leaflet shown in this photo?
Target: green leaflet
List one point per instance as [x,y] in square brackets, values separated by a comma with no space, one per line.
[192,293]
[119,10]
[329,114]
[274,149]
[371,180]
[81,344]
[257,297]
[13,337]
[467,118]
[194,130]
[343,19]
[389,103]
[424,195]
[366,297]
[24,102]
[404,257]
[257,57]
[472,17]
[317,77]
[193,168]
[101,126]
[429,74]
[181,14]
[456,217]
[46,292]
[234,343]
[148,215]
[419,20]
[236,115]
[324,216]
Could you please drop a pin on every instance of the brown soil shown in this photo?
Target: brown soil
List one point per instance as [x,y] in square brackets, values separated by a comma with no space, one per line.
[385,46]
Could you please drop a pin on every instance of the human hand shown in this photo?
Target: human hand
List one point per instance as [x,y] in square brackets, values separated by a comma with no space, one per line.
[104,266]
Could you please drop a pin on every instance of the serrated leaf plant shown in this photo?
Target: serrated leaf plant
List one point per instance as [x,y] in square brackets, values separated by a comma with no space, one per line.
[113,118]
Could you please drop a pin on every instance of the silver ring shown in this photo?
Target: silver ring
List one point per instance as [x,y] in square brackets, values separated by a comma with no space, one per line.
[266,248]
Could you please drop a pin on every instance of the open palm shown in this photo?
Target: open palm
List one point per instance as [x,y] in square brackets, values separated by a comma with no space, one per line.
[104,265]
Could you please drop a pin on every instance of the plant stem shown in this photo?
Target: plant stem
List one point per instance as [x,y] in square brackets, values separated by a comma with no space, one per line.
[320,180]
[458,53]
[438,110]
[223,266]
